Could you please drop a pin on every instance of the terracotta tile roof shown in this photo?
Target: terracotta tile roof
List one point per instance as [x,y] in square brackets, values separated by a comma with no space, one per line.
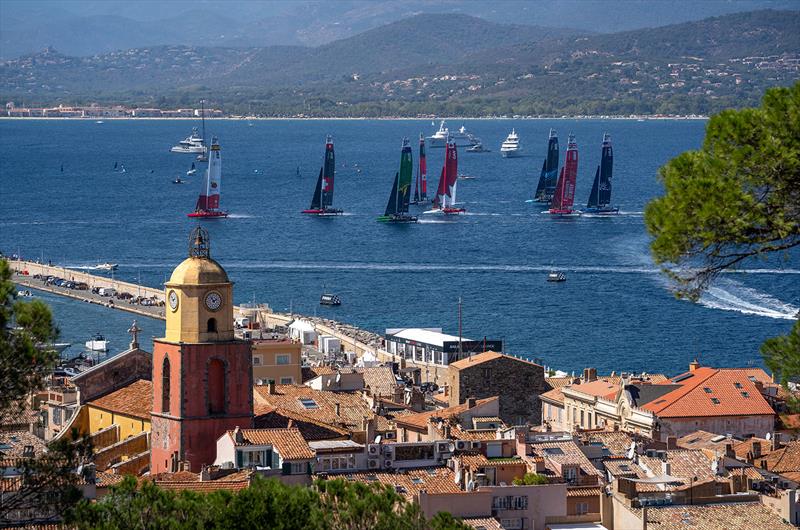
[270,418]
[184,480]
[420,420]
[104,479]
[289,442]
[409,483]
[19,414]
[13,443]
[321,405]
[786,459]
[731,394]
[312,372]
[380,380]
[558,382]
[743,448]
[704,440]
[485,357]
[584,492]
[624,467]
[459,433]
[724,516]
[617,442]
[482,523]
[684,464]
[599,388]
[477,460]
[562,452]
[135,400]
[555,395]
[790,421]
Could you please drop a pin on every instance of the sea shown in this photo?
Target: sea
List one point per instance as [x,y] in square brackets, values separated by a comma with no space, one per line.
[65,202]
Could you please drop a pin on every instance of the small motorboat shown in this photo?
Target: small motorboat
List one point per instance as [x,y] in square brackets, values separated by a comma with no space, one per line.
[98,343]
[478,148]
[329,299]
[556,276]
[178,181]
[191,171]
[106,266]
[58,347]
[26,293]
[466,177]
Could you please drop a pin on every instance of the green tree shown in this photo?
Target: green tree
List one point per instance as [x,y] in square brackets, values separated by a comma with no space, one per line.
[24,327]
[782,354]
[329,505]
[530,479]
[48,482]
[735,199]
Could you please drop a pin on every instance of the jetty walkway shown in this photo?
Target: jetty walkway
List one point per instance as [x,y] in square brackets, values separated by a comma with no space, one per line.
[32,275]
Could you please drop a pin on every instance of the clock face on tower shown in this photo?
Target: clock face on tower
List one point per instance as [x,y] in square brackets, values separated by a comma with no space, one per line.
[173,300]
[213,300]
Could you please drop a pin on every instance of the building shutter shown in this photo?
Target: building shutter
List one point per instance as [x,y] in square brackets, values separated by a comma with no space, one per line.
[239,459]
[287,468]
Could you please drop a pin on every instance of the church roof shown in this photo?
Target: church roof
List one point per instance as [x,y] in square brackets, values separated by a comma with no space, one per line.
[198,271]
[134,400]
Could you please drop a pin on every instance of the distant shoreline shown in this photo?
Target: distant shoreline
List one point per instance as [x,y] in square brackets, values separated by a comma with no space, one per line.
[449,118]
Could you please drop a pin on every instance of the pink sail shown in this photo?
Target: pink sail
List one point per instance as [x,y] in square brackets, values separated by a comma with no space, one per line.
[564,195]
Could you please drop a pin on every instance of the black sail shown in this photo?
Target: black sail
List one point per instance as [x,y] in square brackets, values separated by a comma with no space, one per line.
[600,197]
[549,176]
[316,202]
[328,173]
[391,207]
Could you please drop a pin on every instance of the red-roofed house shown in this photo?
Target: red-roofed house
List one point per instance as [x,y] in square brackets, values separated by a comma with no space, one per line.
[274,452]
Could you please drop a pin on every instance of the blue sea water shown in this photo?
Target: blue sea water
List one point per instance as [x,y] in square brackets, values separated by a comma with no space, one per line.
[615,312]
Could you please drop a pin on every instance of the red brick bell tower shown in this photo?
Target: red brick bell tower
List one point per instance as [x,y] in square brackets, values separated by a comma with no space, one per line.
[202,375]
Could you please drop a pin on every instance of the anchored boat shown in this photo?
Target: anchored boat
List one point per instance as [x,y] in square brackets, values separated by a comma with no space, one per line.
[421,181]
[397,207]
[322,202]
[549,175]
[600,196]
[445,199]
[207,206]
[564,195]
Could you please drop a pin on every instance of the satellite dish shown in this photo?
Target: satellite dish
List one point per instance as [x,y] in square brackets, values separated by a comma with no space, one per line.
[471,486]
[338,377]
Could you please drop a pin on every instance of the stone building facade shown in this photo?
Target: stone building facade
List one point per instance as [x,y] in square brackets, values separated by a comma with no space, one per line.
[518,382]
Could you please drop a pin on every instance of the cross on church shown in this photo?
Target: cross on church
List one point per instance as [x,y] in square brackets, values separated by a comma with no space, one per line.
[134,331]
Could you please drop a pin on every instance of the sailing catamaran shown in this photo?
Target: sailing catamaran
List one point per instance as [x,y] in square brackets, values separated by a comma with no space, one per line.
[564,195]
[397,207]
[549,175]
[322,202]
[207,206]
[445,199]
[421,181]
[600,197]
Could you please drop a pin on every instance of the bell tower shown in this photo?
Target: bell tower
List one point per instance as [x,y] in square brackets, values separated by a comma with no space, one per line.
[202,375]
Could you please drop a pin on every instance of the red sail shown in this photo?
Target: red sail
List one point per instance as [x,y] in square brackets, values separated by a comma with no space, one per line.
[423,169]
[564,196]
[441,191]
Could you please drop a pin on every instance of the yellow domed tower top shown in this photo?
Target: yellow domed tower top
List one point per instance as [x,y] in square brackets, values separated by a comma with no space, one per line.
[199,297]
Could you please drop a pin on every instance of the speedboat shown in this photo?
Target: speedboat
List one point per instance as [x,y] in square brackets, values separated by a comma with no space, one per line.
[98,343]
[461,137]
[510,147]
[556,276]
[177,181]
[58,347]
[192,144]
[478,148]
[26,293]
[329,299]
[106,266]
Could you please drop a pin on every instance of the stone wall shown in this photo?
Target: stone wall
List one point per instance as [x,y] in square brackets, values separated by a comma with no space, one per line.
[518,383]
[125,449]
[117,372]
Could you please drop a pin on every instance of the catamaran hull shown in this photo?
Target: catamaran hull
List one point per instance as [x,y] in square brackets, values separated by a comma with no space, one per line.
[601,211]
[445,211]
[562,213]
[206,214]
[329,212]
[397,219]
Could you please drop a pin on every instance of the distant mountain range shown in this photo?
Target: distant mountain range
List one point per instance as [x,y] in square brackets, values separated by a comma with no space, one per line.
[90,27]
[441,64]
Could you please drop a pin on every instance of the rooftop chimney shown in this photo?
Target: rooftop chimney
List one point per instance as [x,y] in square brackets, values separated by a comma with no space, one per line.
[271,387]
[666,468]
[238,437]
[756,449]
[471,402]
[672,442]
[694,365]
[338,409]
[589,374]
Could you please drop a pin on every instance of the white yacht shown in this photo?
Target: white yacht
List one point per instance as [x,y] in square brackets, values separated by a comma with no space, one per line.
[98,343]
[106,266]
[461,137]
[510,146]
[193,144]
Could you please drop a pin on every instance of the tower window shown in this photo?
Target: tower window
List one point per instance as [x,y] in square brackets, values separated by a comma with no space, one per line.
[216,386]
[165,386]
[212,325]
